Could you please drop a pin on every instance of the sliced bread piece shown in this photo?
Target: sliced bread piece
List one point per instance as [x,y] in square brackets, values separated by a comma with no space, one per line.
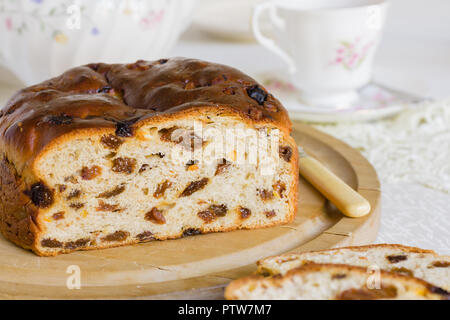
[333,281]
[419,263]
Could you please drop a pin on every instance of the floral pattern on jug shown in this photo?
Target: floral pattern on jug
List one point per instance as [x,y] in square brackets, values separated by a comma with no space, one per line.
[43,18]
[67,33]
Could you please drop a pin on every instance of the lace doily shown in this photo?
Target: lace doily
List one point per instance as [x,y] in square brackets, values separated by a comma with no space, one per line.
[412,147]
[411,154]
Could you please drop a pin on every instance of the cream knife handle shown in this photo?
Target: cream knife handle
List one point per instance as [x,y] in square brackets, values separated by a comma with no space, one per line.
[347,200]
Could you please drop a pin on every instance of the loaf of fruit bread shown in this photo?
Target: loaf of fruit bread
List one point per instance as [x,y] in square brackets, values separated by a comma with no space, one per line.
[411,261]
[113,154]
[333,282]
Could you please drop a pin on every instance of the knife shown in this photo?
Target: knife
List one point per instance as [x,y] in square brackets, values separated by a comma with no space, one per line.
[346,199]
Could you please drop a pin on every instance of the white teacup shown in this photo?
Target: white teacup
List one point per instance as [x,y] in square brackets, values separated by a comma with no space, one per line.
[329,45]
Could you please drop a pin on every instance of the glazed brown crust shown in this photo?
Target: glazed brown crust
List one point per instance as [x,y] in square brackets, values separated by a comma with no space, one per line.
[124,96]
[116,99]
[17,212]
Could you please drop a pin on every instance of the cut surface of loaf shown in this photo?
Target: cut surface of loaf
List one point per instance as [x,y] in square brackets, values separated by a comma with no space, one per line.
[107,155]
[332,282]
[419,263]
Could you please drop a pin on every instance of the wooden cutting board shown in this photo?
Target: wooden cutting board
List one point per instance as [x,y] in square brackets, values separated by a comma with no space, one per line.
[200,266]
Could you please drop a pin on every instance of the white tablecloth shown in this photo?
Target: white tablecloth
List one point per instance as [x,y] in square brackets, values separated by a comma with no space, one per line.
[416,216]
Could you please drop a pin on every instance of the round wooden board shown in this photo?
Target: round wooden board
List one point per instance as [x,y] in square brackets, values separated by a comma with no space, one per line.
[200,266]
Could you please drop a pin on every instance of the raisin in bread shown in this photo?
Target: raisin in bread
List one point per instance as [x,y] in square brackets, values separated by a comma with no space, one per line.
[113,154]
[419,263]
[333,281]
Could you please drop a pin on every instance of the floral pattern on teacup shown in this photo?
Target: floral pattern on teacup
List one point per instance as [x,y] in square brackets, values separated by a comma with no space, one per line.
[351,54]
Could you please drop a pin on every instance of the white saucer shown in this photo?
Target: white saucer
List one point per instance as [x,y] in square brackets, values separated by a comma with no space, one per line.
[374,102]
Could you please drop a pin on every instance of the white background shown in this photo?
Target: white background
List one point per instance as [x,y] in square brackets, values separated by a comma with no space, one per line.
[414,54]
